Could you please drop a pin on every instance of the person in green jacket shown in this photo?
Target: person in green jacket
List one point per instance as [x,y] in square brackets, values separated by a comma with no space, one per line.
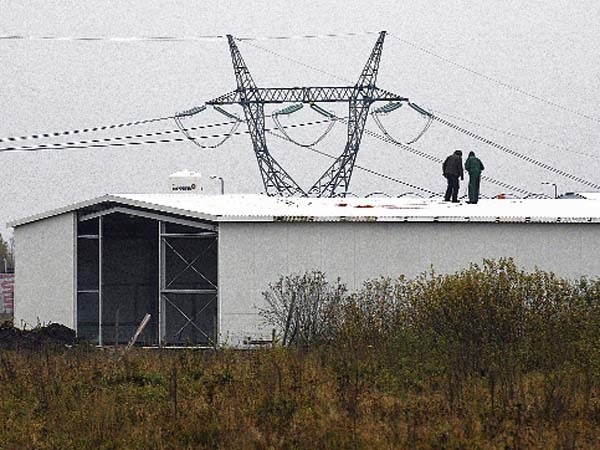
[474,166]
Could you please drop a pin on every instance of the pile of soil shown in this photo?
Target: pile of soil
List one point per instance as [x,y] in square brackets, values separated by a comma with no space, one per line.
[51,335]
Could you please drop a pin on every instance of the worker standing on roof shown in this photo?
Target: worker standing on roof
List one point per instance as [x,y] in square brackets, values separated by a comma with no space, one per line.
[452,169]
[474,166]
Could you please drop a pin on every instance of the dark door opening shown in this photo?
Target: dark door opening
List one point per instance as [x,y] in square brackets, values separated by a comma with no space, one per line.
[130,266]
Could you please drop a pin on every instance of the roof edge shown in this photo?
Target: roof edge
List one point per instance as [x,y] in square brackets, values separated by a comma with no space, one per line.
[59,211]
[108,198]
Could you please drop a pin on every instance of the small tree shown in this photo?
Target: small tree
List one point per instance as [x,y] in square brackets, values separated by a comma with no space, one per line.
[302,307]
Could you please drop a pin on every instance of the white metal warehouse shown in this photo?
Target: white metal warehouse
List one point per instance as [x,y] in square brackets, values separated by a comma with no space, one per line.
[199,264]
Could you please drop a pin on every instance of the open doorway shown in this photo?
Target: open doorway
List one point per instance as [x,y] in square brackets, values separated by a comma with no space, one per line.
[129,266]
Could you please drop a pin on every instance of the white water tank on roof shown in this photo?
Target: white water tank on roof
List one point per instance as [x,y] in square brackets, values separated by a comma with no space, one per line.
[185,181]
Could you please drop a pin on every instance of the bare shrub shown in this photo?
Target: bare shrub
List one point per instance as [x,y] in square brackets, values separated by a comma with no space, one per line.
[302,307]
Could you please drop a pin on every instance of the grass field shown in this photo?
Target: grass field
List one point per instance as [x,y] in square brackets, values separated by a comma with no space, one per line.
[277,398]
[489,358]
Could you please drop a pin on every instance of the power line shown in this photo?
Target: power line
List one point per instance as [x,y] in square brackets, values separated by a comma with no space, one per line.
[121,138]
[397,180]
[311,147]
[202,38]
[26,37]
[389,139]
[124,141]
[108,142]
[116,126]
[185,132]
[471,134]
[439,161]
[96,143]
[516,154]
[515,135]
[281,129]
[23,37]
[451,62]
[83,130]
[181,129]
[117,141]
[316,69]
[432,158]
[332,118]
[495,80]
[365,169]
[419,153]
[308,36]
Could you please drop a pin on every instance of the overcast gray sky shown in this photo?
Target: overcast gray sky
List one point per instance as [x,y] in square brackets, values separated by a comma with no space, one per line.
[549,49]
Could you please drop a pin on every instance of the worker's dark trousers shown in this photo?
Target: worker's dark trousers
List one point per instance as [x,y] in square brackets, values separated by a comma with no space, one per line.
[452,190]
[474,188]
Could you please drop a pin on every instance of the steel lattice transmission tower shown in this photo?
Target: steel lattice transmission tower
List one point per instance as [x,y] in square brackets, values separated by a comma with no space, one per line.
[336,179]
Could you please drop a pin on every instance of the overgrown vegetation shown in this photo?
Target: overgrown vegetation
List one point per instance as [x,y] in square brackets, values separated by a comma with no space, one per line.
[303,307]
[489,357]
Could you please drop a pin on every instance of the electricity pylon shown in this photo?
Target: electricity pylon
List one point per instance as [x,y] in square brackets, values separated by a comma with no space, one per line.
[336,179]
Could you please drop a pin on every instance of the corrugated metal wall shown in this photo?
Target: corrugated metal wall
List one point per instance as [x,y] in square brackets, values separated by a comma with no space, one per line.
[253,254]
[45,271]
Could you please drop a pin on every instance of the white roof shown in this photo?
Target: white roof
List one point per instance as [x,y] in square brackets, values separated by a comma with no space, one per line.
[261,208]
[590,195]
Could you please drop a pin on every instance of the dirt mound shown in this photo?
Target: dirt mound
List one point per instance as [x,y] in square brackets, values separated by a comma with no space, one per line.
[51,335]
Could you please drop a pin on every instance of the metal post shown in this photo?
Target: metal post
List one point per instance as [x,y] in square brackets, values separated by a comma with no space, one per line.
[161,278]
[554,185]
[216,177]
[100,281]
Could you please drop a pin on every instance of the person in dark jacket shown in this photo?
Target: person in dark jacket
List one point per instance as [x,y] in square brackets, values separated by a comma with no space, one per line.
[474,166]
[452,169]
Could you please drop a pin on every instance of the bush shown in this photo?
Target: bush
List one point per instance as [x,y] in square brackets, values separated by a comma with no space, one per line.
[303,307]
[491,320]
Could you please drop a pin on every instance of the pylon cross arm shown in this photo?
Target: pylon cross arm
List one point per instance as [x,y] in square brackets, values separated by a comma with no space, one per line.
[311,94]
